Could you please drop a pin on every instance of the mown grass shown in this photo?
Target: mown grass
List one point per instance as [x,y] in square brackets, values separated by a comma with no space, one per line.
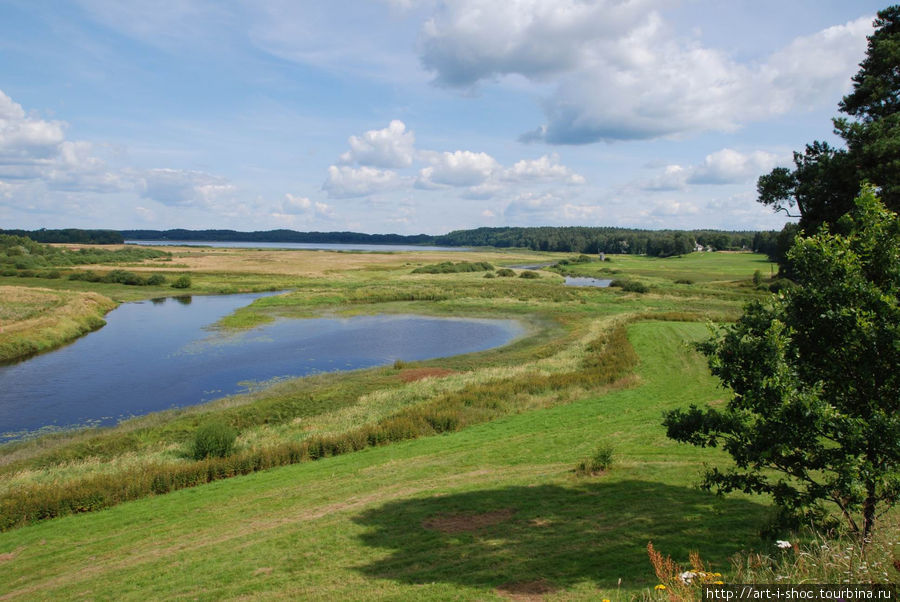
[354,525]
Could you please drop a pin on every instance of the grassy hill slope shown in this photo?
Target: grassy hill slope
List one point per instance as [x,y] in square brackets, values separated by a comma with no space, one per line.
[493,510]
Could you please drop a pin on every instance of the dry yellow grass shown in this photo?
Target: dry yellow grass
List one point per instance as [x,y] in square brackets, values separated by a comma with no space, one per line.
[307,263]
[37,319]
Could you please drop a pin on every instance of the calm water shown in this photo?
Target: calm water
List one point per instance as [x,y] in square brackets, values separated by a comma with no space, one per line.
[293,245]
[584,281]
[161,354]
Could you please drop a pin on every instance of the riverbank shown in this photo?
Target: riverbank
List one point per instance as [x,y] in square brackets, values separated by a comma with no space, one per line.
[34,320]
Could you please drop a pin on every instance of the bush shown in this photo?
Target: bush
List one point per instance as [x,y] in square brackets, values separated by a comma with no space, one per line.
[124,277]
[684,281]
[757,278]
[782,284]
[448,267]
[490,275]
[599,462]
[505,273]
[630,286]
[213,439]
[529,274]
[634,286]
[156,280]
[182,281]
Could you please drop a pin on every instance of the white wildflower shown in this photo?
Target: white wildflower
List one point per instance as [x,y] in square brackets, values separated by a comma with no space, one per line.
[687,576]
[783,544]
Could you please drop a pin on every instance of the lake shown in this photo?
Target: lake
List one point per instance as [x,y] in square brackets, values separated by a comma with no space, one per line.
[292,245]
[160,354]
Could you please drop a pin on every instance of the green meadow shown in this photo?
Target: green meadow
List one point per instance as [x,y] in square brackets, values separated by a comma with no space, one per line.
[452,478]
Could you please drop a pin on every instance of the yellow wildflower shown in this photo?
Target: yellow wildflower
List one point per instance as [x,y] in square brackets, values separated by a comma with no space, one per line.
[660,587]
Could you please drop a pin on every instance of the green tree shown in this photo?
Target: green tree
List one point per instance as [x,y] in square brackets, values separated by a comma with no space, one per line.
[815,415]
[825,180]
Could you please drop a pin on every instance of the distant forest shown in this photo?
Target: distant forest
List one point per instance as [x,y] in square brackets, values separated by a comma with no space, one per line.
[573,239]
[70,235]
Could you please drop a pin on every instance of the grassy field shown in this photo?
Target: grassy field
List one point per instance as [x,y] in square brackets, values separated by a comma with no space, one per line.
[451,478]
[38,319]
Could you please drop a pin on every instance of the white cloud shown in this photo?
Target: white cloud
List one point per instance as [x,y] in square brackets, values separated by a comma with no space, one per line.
[178,187]
[25,138]
[729,166]
[543,168]
[459,168]
[345,182]
[726,166]
[620,73]
[295,204]
[469,40]
[393,146]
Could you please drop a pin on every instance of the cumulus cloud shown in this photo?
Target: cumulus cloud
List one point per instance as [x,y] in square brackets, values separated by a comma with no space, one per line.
[621,74]
[346,182]
[178,187]
[295,204]
[393,146]
[543,168]
[358,171]
[459,168]
[726,166]
[34,150]
[469,40]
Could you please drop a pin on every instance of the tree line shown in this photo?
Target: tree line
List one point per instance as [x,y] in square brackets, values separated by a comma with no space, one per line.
[573,239]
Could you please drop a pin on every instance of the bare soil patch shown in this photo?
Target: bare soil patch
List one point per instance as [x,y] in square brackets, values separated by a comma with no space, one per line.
[462,523]
[409,375]
[527,590]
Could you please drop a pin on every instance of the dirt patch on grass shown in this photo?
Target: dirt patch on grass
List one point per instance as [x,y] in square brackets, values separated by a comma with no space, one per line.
[527,590]
[409,375]
[9,555]
[462,523]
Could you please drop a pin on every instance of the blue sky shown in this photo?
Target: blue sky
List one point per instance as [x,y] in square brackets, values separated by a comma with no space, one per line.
[412,116]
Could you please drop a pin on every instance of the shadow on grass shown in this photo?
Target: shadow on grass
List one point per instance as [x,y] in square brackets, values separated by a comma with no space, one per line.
[560,535]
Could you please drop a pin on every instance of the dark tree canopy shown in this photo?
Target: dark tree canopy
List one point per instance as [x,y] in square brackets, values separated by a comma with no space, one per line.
[815,415]
[825,180]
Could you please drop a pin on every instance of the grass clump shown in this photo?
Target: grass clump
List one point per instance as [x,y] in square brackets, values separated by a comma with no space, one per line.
[630,286]
[213,440]
[597,463]
[506,273]
[449,267]
[529,274]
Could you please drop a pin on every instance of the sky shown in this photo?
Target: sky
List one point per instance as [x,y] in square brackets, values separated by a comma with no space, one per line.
[413,116]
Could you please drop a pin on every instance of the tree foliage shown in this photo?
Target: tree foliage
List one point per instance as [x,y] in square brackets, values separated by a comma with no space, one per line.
[815,373]
[825,180]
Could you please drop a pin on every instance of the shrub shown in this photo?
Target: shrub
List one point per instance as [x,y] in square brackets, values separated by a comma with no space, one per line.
[684,281]
[505,273]
[183,281]
[529,274]
[757,278]
[124,277]
[156,280]
[213,439]
[490,275]
[782,284]
[634,286]
[599,462]
[448,267]
[630,286]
